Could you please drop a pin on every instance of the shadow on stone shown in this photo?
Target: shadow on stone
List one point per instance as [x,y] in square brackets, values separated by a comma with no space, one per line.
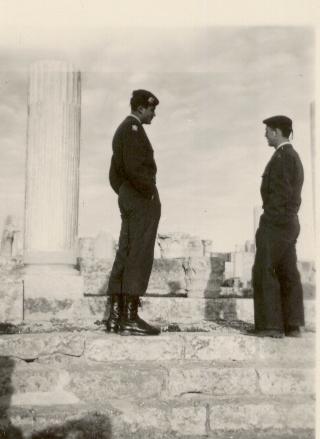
[174,289]
[92,426]
[8,328]
[7,429]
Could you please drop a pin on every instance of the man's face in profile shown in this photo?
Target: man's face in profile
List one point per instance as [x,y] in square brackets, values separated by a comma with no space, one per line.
[147,114]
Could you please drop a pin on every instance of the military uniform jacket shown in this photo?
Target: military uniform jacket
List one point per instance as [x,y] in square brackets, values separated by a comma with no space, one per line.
[281,186]
[133,158]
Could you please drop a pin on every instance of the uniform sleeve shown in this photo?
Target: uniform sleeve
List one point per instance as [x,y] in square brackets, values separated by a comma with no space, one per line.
[134,159]
[281,185]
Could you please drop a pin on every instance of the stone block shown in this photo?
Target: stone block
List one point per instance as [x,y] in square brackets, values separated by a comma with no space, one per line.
[227,347]
[57,397]
[53,285]
[115,348]
[86,248]
[189,420]
[29,378]
[95,284]
[31,346]
[211,380]
[103,246]
[296,381]
[116,381]
[11,299]
[301,415]
[204,276]
[174,309]
[136,416]
[300,350]
[179,245]
[167,278]
[231,415]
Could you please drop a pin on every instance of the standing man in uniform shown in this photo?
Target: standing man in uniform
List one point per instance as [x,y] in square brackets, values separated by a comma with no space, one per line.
[278,296]
[133,177]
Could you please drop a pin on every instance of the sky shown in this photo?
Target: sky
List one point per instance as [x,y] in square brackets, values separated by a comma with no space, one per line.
[215,85]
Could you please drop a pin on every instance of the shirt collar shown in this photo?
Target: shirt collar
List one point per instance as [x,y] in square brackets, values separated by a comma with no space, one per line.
[283,143]
[136,117]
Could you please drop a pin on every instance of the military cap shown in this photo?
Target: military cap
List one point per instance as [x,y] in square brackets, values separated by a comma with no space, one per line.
[282,122]
[144,98]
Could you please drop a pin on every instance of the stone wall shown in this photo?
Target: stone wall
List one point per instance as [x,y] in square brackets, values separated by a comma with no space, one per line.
[182,266]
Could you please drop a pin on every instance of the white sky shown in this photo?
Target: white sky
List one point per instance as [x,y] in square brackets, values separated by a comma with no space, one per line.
[215,85]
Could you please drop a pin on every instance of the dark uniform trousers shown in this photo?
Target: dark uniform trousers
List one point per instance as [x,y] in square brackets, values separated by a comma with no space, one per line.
[278,295]
[133,263]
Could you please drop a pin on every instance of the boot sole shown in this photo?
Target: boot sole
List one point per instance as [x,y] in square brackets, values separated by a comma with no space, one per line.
[112,330]
[136,334]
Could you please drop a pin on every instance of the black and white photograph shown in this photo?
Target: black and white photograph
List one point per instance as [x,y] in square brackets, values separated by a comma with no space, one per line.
[158,219]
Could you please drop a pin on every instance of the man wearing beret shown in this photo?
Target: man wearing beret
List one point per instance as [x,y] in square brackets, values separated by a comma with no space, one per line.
[133,177]
[278,296]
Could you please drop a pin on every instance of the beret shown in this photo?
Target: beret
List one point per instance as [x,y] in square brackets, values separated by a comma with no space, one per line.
[278,122]
[144,98]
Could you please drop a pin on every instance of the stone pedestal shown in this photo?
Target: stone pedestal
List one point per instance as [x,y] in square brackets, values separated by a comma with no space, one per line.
[52,169]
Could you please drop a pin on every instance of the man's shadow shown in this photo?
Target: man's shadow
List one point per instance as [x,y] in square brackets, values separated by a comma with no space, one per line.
[7,429]
[92,426]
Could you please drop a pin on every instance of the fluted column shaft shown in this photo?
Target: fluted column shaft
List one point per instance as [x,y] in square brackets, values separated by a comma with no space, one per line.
[52,169]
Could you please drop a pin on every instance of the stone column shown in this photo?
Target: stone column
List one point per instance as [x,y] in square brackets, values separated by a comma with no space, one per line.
[52,168]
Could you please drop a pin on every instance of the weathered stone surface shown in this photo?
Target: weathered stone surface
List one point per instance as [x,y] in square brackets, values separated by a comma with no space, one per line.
[138,416]
[95,267]
[207,247]
[86,248]
[220,347]
[95,284]
[88,309]
[30,346]
[231,415]
[116,381]
[175,309]
[242,309]
[167,278]
[179,245]
[56,397]
[115,348]
[189,420]
[299,350]
[55,285]
[126,419]
[211,380]
[11,299]
[161,310]
[204,276]
[29,378]
[286,381]
[104,246]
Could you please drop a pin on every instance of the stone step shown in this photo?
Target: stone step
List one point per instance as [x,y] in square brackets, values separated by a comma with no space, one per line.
[219,345]
[180,418]
[164,310]
[44,382]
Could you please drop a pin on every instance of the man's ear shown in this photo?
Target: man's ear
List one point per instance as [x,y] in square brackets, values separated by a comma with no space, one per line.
[140,109]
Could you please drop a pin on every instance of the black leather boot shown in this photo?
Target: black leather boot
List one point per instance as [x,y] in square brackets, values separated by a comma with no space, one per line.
[112,324]
[131,323]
